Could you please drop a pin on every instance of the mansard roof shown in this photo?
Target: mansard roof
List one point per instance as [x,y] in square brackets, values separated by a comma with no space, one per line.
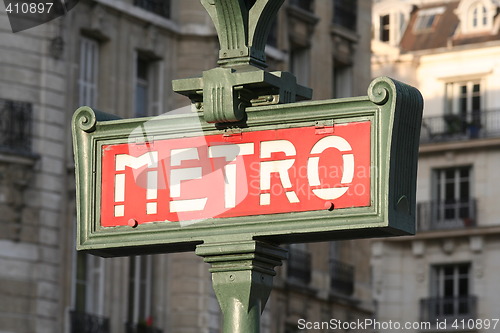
[440,25]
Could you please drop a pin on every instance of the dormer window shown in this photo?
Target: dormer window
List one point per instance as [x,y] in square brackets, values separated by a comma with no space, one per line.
[427,18]
[390,21]
[477,15]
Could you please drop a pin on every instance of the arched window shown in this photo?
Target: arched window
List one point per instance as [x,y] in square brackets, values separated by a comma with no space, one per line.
[479,16]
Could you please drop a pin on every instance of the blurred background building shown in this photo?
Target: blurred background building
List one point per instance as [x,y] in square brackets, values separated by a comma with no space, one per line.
[450,51]
[120,56]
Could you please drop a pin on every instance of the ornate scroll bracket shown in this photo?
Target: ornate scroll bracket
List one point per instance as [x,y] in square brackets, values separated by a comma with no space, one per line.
[223,93]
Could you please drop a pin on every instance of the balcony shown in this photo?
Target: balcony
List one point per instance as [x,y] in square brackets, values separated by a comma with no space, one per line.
[158,7]
[451,308]
[15,126]
[299,266]
[88,323]
[141,327]
[454,127]
[436,215]
[341,277]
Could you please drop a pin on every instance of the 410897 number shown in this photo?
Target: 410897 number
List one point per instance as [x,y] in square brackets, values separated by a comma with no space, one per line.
[475,324]
[29,8]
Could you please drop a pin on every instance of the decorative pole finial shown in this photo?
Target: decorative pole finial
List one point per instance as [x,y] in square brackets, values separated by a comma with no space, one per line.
[243,27]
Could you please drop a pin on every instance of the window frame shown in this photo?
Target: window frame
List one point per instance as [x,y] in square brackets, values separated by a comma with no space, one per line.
[427,19]
[88,78]
[140,289]
[467,104]
[150,80]
[479,17]
[460,205]
[440,287]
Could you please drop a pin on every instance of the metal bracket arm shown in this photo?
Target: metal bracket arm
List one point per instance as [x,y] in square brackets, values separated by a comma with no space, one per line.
[222,94]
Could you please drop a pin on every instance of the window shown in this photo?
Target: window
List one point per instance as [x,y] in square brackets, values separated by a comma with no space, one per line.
[89,284]
[303,4]
[158,7]
[453,201]
[425,22]
[299,264]
[140,292]
[427,18]
[345,13]
[453,205]
[463,100]
[15,126]
[389,22]
[272,39]
[385,28]
[88,295]
[479,17]
[341,272]
[87,81]
[450,288]
[147,94]
[342,80]
[141,88]
[299,64]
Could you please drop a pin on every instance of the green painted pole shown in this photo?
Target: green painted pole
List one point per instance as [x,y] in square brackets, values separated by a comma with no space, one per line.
[242,277]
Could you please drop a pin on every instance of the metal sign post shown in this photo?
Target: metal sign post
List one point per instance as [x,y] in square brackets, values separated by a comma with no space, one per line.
[249,169]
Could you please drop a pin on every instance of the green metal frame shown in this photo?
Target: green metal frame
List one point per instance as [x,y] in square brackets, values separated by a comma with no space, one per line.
[393,108]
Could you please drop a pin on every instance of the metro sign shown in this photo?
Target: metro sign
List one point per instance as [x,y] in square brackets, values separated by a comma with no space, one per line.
[309,171]
[265,172]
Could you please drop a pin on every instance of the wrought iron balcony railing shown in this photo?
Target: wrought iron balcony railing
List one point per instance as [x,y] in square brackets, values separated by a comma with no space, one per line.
[141,328]
[436,215]
[341,277]
[158,7]
[432,309]
[299,266]
[15,126]
[454,127]
[303,4]
[88,323]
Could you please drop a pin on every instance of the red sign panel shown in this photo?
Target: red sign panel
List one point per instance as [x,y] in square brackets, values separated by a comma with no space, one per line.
[254,173]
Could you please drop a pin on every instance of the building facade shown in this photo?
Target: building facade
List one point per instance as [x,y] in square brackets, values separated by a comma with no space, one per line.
[450,51]
[120,56]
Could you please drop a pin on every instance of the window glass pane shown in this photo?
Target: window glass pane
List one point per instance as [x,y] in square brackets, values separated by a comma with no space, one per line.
[345,13]
[476,97]
[87,80]
[141,100]
[131,288]
[464,191]
[463,286]
[142,69]
[159,7]
[141,88]
[450,287]
[81,282]
[385,28]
